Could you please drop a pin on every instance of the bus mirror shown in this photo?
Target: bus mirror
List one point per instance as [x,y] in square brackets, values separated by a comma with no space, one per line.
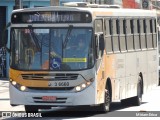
[101,42]
[97,46]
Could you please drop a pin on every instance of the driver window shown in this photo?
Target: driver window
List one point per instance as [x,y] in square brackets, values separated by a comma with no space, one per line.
[99,37]
[99,45]
[98,26]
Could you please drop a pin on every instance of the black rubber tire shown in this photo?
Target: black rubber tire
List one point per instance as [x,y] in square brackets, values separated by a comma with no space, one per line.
[31,109]
[138,99]
[105,107]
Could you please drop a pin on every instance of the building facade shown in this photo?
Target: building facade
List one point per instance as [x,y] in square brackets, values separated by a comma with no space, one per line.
[6,8]
[135,4]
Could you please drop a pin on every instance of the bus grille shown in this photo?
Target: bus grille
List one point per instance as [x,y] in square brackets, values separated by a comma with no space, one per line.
[57,76]
[58,100]
[50,88]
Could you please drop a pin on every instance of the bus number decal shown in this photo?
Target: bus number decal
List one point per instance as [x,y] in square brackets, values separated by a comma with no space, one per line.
[61,84]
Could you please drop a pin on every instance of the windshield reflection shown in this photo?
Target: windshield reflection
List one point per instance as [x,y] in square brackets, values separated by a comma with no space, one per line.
[52,49]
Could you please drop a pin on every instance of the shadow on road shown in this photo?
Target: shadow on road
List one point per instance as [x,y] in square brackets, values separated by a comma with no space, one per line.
[78,112]
[84,111]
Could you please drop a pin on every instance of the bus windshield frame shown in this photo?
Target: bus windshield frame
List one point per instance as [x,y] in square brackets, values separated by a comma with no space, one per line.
[52,49]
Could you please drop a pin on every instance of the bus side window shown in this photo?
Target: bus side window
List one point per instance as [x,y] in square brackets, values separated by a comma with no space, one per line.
[129,35]
[149,34]
[136,34]
[122,35]
[142,33]
[154,36]
[108,42]
[98,25]
[132,32]
[99,39]
[115,37]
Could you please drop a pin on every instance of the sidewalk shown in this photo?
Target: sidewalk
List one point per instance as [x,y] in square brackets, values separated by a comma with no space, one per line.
[4,97]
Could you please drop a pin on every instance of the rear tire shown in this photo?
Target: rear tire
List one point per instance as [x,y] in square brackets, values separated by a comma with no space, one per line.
[138,98]
[31,109]
[135,101]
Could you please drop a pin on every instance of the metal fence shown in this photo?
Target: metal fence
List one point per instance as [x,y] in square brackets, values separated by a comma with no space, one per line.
[2,62]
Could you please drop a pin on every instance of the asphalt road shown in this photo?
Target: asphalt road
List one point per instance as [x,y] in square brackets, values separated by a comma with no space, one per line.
[150,106]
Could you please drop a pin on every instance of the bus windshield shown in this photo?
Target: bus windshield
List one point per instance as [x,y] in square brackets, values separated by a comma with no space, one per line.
[51,48]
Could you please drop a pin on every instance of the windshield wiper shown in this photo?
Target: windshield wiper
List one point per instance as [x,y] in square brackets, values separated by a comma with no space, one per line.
[67,36]
[34,38]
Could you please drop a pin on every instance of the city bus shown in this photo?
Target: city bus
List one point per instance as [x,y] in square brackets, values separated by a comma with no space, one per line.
[50,68]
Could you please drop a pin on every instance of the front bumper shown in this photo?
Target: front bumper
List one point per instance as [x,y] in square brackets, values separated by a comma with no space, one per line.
[85,97]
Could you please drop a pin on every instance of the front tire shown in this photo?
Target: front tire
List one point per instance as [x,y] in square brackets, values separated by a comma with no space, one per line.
[105,107]
[31,109]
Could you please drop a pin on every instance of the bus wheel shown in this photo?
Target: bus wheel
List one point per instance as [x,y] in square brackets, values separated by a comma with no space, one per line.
[31,109]
[135,101]
[104,107]
[138,98]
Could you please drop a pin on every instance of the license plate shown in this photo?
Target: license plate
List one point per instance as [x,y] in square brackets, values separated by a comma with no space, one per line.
[48,98]
[58,84]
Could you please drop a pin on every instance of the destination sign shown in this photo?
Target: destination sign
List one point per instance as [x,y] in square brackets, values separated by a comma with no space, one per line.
[51,17]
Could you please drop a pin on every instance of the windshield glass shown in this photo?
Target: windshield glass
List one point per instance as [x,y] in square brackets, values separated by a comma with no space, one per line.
[51,48]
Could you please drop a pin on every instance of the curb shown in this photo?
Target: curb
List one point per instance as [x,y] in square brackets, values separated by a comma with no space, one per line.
[4,79]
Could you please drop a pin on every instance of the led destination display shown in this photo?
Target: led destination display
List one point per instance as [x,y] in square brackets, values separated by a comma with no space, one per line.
[51,17]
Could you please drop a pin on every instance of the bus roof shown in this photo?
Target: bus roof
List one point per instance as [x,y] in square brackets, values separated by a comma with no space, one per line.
[95,11]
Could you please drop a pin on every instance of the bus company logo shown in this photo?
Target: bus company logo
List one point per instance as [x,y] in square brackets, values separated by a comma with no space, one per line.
[49,77]
[6,114]
[49,84]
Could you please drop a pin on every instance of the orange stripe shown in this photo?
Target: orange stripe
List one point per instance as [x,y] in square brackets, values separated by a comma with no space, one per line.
[16,76]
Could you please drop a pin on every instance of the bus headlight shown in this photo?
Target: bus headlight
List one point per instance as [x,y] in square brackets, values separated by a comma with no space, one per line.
[18,86]
[22,88]
[14,83]
[83,85]
[78,88]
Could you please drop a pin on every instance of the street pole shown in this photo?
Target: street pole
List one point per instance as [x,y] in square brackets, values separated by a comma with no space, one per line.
[54,2]
[18,4]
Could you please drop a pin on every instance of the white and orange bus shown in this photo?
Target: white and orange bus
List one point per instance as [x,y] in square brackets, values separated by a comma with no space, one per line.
[49,67]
